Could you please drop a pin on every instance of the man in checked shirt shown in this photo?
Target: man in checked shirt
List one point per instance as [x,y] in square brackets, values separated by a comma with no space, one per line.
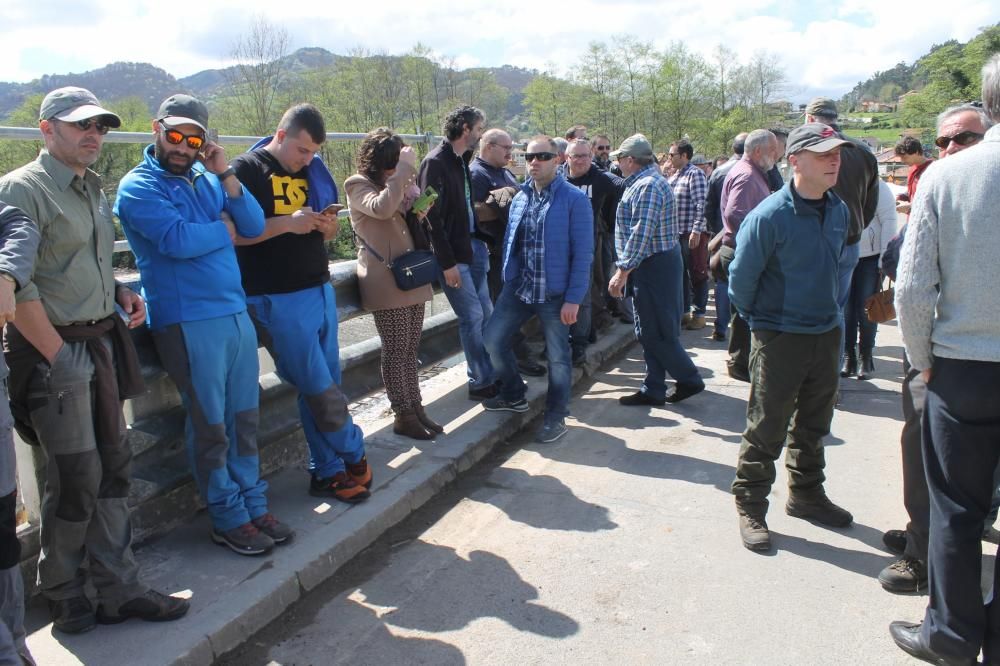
[690,189]
[650,265]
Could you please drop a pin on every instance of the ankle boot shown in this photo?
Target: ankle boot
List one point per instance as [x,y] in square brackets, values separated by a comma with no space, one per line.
[850,363]
[867,365]
[408,425]
[427,421]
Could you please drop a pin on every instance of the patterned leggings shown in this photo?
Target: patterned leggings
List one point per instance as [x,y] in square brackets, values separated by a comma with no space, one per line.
[400,330]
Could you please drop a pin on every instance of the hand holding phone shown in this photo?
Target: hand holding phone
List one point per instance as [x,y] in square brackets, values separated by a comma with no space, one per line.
[333,209]
[424,201]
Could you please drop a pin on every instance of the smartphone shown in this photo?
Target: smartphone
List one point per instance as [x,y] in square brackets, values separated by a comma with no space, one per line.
[424,201]
[213,135]
[332,209]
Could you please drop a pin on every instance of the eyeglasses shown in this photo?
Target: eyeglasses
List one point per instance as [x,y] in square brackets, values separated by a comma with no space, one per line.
[85,125]
[582,156]
[506,149]
[194,141]
[962,139]
[541,157]
[672,154]
[602,147]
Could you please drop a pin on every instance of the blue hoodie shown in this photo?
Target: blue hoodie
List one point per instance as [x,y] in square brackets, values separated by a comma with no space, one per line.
[784,275]
[182,247]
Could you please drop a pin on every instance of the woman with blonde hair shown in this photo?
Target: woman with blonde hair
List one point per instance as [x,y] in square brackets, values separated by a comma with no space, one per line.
[379,196]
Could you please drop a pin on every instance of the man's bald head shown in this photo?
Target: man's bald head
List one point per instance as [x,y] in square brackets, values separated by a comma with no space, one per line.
[495,147]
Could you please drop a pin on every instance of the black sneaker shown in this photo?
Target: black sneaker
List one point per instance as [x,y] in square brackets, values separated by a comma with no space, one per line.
[718,337]
[736,372]
[895,541]
[579,357]
[640,398]
[904,576]
[72,616]
[498,404]
[529,368]
[818,509]
[550,432]
[151,607]
[483,393]
[245,540]
[683,391]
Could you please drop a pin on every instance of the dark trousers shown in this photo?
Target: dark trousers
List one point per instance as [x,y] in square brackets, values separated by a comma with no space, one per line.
[961,430]
[864,283]
[915,494]
[794,379]
[739,338]
[695,290]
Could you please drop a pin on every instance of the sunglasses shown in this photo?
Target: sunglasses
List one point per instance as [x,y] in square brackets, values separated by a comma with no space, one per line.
[541,157]
[602,147]
[962,139]
[173,137]
[85,125]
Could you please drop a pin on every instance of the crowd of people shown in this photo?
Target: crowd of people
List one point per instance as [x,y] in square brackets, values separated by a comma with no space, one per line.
[231,254]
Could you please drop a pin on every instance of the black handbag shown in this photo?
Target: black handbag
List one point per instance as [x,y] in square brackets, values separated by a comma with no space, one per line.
[411,269]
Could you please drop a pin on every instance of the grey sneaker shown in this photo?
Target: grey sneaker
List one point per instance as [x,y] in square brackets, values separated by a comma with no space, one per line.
[818,509]
[245,540]
[274,528]
[498,404]
[754,532]
[550,432]
[904,576]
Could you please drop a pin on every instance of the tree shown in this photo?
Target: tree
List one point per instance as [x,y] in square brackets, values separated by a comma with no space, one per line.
[258,75]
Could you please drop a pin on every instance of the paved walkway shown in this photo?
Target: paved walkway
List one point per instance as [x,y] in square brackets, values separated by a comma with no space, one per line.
[619,544]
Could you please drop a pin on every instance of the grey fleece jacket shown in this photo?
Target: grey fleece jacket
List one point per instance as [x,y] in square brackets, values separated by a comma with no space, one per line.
[946,295]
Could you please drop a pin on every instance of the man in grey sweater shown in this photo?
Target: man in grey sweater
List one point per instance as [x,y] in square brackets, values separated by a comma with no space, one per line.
[952,336]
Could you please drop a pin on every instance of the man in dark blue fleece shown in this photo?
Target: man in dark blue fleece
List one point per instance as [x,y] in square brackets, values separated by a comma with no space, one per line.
[783,282]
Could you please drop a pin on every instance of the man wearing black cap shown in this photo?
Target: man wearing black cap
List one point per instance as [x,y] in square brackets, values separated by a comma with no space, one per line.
[181,209]
[783,282]
[73,352]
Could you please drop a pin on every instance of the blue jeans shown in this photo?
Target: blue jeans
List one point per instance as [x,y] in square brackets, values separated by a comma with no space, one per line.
[864,283]
[656,291]
[299,329]
[472,305]
[845,271]
[511,312]
[580,331]
[722,313]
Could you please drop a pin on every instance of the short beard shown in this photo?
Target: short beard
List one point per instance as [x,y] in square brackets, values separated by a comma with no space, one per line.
[161,155]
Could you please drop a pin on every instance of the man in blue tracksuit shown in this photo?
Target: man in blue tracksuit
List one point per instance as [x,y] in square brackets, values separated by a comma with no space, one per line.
[547,252]
[181,208]
[286,276]
[784,282]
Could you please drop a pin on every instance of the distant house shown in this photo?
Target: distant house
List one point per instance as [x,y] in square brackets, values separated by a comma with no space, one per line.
[877,107]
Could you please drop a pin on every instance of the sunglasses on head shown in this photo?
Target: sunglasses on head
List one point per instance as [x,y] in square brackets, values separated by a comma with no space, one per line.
[194,141]
[541,157]
[85,125]
[962,139]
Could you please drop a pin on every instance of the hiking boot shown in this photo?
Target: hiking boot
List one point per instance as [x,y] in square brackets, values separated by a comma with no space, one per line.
[498,404]
[360,472]
[272,527]
[72,616]
[151,607]
[641,398]
[818,509]
[408,424]
[245,540]
[906,575]
[754,532]
[718,337]
[895,541]
[483,392]
[427,421]
[339,486]
[682,391]
[696,324]
[550,432]
[685,320]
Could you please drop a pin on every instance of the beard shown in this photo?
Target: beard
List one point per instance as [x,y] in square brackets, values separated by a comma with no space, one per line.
[180,165]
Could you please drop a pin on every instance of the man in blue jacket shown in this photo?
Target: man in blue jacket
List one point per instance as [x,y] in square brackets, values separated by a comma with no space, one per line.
[547,252]
[181,209]
[784,282]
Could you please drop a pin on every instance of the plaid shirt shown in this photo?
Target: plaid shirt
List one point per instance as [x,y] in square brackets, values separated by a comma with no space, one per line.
[690,189]
[644,224]
[531,245]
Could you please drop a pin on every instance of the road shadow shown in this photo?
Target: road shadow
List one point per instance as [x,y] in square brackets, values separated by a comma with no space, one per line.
[875,402]
[541,501]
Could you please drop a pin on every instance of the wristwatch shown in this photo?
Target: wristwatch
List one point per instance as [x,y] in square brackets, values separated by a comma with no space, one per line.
[227,173]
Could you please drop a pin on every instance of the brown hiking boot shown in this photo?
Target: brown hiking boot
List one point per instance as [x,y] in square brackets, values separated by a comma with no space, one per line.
[339,486]
[408,424]
[361,473]
[427,421]
[819,509]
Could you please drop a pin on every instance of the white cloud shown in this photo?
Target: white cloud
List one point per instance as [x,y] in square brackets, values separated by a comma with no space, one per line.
[824,48]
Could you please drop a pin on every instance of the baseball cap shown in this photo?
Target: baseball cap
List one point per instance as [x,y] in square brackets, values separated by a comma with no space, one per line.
[183,110]
[71,104]
[636,145]
[822,106]
[814,137]
[699,159]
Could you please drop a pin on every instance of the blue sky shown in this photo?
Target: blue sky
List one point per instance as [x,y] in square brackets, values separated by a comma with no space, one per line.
[825,48]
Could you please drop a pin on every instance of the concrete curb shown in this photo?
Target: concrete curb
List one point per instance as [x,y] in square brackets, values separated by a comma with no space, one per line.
[233,597]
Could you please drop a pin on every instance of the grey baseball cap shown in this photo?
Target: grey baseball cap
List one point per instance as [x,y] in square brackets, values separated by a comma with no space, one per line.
[822,106]
[183,110]
[814,137]
[636,145]
[71,104]
[699,159]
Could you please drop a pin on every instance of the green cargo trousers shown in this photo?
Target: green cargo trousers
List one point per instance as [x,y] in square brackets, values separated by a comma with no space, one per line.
[794,381]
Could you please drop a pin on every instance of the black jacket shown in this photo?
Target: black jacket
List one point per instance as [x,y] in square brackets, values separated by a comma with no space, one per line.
[713,201]
[857,185]
[448,174]
[604,189]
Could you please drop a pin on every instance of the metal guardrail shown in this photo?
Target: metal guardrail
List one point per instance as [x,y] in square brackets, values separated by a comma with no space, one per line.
[35,134]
